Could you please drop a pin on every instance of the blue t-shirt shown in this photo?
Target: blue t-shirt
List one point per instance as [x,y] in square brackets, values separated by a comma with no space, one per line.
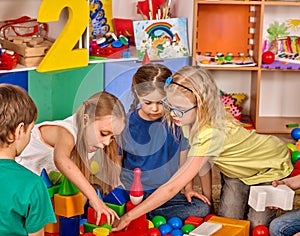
[151,146]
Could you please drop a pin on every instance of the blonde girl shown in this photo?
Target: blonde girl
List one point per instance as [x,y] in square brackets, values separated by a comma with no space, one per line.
[69,145]
[244,157]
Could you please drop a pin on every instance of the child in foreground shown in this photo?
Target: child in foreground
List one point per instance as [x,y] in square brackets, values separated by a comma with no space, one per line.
[243,157]
[149,144]
[25,206]
[70,146]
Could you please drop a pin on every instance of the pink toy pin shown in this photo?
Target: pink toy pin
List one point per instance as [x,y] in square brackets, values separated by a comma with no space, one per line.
[136,191]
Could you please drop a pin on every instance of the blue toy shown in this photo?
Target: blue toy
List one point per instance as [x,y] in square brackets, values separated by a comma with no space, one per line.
[296,134]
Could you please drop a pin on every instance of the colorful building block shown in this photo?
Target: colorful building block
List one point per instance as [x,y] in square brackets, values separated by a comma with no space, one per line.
[52,227]
[91,217]
[68,206]
[119,209]
[231,226]
[67,188]
[53,190]
[69,226]
[88,227]
[46,179]
[193,220]
[261,197]
[117,196]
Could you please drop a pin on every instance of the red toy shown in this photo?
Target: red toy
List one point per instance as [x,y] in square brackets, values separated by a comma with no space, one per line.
[268,57]
[136,191]
[260,230]
[206,218]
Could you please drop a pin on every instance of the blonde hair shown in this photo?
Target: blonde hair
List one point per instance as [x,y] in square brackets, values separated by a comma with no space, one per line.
[99,105]
[210,109]
[148,78]
[15,107]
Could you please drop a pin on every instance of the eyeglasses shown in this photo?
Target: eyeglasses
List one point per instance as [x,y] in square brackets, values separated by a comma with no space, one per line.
[170,81]
[177,112]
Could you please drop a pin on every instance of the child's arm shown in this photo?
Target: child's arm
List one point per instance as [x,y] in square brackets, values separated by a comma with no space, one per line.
[183,158]
[62,152]
[189,192]
[39,233]
[292,182]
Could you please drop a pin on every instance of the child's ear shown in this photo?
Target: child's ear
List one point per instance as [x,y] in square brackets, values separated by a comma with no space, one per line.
[18,131]
[86,119]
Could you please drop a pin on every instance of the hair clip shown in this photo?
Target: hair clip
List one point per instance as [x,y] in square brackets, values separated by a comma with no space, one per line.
[85,103]
[168,81]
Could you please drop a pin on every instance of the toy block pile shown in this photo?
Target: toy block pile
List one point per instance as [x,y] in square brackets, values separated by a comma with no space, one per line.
[68,205]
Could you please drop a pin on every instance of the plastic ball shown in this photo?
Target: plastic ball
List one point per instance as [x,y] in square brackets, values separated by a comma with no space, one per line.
[158,220]
[295,156]
[268,57]
[153,232]
[291,147]
[295,172]
[187,228]
[260,230]
[165,229]
[175,222]
[94,167]
[297,165]
[296,134]
[176,232]
[150,224]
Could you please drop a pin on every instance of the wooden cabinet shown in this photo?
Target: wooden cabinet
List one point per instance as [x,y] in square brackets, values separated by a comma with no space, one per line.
[239,27]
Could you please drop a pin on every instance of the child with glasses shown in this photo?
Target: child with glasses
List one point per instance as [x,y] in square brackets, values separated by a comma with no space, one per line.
[243,157]
[148,143]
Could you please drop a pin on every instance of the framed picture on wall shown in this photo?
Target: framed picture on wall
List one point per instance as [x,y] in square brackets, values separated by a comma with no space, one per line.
[165,38]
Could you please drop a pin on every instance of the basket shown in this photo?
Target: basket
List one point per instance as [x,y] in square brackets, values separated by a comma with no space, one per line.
[108,51]
[8,62]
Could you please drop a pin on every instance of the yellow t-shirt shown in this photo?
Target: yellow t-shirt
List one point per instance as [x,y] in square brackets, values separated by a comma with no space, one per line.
[239,153]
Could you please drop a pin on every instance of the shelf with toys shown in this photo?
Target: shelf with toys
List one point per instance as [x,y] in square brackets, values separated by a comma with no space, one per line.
[234,36]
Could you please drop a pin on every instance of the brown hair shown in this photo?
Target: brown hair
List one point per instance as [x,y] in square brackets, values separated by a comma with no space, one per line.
[15,107]
[99,105]
[149,77]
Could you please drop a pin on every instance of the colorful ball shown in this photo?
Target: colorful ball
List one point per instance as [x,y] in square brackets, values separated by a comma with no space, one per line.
[158,220]
[165,229]
[260,230]
[295,172]
[297,165]
[153,232]
[268,57]
[296,134]
[176,232]
[295,156]
[175,222]
[187,228]
[291,147]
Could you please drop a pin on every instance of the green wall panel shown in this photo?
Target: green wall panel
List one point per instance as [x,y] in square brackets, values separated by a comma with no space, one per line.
[58,94]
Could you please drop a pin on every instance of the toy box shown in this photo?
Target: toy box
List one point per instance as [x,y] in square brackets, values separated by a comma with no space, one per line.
[31,49]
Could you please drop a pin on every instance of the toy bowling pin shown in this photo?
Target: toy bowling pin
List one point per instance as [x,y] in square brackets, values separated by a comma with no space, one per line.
[136,191]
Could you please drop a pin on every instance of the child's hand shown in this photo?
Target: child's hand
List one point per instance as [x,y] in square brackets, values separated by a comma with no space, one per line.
[275,183]
[121,223]
[101,208]
[189,193]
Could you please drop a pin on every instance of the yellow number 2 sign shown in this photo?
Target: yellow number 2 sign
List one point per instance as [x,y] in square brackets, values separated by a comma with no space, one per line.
[62,54]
